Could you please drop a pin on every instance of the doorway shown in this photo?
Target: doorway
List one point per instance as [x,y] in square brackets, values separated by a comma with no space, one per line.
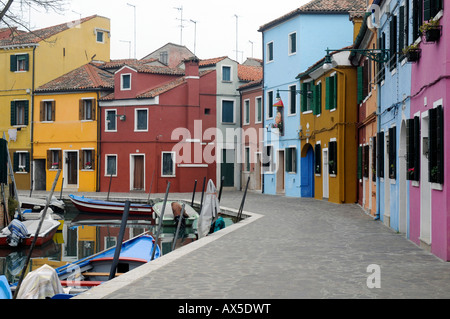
[402,218]
[138,172]
[40,178]
[280,172]
[227,167]
[325,180]
[71,168]
[257,172]
[307,171]
[425,186]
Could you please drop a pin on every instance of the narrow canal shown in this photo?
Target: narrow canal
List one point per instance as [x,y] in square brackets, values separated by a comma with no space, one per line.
[84,234]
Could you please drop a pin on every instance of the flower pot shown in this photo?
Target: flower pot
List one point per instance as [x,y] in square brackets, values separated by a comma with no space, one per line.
[432,35]
[413,55]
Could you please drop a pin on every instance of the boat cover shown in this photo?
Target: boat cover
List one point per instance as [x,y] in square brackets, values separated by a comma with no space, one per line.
[40,284]
[18,231]
[210,209]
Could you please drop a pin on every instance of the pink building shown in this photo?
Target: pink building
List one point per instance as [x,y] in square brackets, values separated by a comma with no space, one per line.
[428,151]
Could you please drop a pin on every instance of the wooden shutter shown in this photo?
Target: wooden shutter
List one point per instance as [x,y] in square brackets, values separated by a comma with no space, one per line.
[329,86]
[374,158]
[16,162]
[360,84]
[392,152]
[360,162]
[288,159]
[81,110]
[393,42]
[332,157]
[27,162]
[366,161]
[27,62]
[380,154]
[439,145]
[401,29]
[13,113]
[94,108]
[13,63]
[60,159]
[426,10]
[42,111]
[49,159]
[3,162]
[410,149]
[432,144]
[93,159]
[304,97]
[318,159]
[335,91]
[416,176]
[53,110]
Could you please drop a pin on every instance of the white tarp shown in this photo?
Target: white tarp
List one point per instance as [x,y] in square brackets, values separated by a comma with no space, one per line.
[210,209]
[40,284]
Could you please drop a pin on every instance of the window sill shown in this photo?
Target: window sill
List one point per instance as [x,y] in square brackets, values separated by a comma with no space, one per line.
[415,183]
[436,186]
[168,176]
[21,173]
[307,112]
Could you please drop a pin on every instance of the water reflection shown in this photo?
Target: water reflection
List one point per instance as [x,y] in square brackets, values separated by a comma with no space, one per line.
[82,235]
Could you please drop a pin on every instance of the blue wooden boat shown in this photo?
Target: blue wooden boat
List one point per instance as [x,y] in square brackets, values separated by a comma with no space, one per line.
[90,205]
[94,270]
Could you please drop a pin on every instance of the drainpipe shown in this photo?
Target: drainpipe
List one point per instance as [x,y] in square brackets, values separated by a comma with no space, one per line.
[98,155]
[32,119]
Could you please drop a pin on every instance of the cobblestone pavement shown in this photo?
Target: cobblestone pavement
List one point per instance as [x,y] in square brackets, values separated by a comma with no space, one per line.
[293,248]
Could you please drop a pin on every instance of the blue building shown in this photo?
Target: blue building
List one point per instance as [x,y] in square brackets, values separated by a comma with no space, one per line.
[291,44]
[394,89]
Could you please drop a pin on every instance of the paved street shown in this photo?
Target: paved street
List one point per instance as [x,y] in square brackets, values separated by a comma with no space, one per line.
[292,248]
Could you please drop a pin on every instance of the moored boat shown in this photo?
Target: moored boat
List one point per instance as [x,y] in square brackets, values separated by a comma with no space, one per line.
[28,229]
[94,270]
[168,218]
[90,205]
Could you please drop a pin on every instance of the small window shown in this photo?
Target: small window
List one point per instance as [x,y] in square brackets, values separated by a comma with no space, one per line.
[247,159]
[164,57]
[291,160]
[141,120]
[111,121]
[22,162]
[88,159]
[292,99]
[226,73]
[269,52]
[247,112]
[100,37]
[318,159]
[54,159]
[331,92]
[125,82]
[111,165]
[207,111]
[270,105]
[258,111]
[332,159]
[19,112]
[47,111]
[267,162]
[19,63]
[293,43]
[392,153]
[307,95]
[168,164]
[228,112]
[87,110]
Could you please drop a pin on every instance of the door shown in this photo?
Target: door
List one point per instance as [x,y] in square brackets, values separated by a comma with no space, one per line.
[325,180]
[40,178]
[72,168]
[307,172]
[257,172]
[280,172]
[138,174]
[425,186]
[227,167]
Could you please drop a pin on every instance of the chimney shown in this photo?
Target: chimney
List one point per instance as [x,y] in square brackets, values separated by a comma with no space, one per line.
[191,66]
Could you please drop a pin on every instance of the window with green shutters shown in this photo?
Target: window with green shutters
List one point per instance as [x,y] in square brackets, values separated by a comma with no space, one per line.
[380,155]
[19,62]
[331,92]
[307,96]
[21,162]
[393,42]
[366,161]
[317,92]
[19,112]
[413,149]
[431,8]
[291,160]
[436,145]
[417,18]
[392,153]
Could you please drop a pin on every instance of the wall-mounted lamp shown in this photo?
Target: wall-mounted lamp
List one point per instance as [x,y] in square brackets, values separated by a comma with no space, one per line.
[377,55]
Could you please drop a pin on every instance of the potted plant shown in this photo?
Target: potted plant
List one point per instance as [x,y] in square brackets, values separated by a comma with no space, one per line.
[55,166]
[412,52]
[431,30]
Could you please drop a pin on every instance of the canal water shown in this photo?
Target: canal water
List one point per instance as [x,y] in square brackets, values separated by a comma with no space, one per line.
[81,235]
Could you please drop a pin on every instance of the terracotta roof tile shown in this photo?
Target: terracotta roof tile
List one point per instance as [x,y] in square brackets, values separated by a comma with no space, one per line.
[86,77]
[212,61]
[320,6]
[37,36]
[249,73]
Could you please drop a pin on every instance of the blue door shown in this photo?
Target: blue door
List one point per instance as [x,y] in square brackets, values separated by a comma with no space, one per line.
[307,173]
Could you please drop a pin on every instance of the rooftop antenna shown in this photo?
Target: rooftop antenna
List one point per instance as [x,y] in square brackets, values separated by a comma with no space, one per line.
[134,7]
[237,25]
[195,34]
[251,42]
[181,25]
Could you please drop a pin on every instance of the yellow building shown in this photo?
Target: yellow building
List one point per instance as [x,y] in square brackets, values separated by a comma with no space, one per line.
[31,59]
[328,128]
[66,128]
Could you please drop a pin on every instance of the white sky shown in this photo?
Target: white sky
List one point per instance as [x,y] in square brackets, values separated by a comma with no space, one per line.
[158,23]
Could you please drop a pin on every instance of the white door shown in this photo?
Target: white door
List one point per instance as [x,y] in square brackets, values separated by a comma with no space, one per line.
[325,180]
[425,187]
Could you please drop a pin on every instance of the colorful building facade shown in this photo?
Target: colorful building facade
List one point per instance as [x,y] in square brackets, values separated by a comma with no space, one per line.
[428,153]
[30,59]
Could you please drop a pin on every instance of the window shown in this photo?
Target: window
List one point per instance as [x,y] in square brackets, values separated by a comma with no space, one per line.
[307,96]
[270,105]
[111,121]
[269,52]
[331,92]
[403,29]
[87,110]
[317,99]
[431,8]
[374,159]
[393,42]
[291,160]
[292,99]
[19,112]
[227,112]
[267,161]
[164,57]
[413,149]
[436,145]
[21,162]
[247,112]
[47,111]
[100,36]
[226,73]
[125,82]
[392,152]
[247,159]
[366,161]
[318,159]
[360,162]
[332,160]
[381,65]
[54,158]
[111,165]
[141,120]
[258,111]
[168,164]
[19,62]
[293,43]
[88,159]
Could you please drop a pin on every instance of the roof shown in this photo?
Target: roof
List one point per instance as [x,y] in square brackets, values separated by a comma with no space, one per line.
[249,72]
[37,36]
[320,7]
[86,77]
[212,61]
[250,85]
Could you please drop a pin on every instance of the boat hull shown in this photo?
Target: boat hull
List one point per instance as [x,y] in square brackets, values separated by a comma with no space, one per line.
[106,207]
[43,238]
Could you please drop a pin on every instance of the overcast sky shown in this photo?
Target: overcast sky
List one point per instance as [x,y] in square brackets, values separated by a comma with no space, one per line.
[158,22]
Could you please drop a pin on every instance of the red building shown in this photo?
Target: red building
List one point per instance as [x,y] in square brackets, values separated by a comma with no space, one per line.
[152,128]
